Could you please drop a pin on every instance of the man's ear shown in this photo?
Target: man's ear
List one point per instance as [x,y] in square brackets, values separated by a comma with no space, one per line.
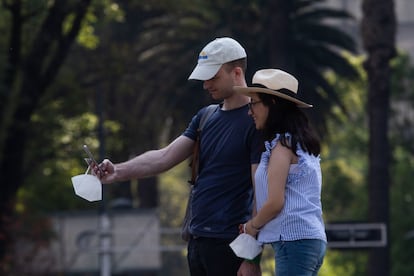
[238,72]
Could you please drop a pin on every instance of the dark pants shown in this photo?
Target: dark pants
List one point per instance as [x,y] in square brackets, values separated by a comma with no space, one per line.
[212,257]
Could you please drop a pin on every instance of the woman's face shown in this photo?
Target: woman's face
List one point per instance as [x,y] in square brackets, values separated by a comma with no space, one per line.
[258,111]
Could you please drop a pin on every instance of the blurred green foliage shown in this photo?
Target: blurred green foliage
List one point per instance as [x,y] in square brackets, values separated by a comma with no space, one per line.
[128,57]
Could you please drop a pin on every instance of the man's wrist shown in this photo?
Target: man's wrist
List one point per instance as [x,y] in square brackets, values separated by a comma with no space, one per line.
[255,260]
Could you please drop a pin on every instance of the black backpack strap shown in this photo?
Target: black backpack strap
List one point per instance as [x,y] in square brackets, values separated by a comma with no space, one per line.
[194,162]
[206,115]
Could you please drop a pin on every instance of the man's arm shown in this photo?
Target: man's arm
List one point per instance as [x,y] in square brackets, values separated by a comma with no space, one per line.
[147,164]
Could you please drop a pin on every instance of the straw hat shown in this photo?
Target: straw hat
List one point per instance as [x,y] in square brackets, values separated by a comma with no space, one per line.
[274,82]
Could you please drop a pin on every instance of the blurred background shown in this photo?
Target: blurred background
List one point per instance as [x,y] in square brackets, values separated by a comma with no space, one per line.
[112,74]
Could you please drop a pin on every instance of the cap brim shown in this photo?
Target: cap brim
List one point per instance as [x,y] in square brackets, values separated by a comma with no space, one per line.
[250,90]
[204,72]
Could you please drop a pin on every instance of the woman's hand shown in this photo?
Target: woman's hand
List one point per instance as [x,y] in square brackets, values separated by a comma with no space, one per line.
[248,228]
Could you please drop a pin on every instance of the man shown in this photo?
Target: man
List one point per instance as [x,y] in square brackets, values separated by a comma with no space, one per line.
[230,150]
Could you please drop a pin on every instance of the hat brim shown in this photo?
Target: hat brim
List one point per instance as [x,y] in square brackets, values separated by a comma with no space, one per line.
[250,90]
[204,72]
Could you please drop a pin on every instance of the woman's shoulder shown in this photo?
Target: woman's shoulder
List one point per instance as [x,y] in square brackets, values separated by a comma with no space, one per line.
[287,137]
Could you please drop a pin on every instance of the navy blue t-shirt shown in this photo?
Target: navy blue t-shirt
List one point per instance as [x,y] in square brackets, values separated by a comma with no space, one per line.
[223,192]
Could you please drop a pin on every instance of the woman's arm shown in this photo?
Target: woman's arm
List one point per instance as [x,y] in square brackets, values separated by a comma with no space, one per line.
[279,164]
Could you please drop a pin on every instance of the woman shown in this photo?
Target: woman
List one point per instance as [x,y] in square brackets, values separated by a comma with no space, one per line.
[288,179]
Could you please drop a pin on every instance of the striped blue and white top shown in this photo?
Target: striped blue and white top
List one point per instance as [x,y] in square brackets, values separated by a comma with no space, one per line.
[301,216]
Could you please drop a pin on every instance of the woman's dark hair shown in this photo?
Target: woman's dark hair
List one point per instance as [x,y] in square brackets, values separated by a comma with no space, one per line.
[285,116]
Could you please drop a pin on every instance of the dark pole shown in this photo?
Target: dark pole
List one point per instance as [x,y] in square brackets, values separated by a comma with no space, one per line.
[105,234]
[378,28]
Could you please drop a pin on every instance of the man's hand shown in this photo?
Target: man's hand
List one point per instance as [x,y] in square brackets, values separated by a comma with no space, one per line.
[249,269]
[104,171]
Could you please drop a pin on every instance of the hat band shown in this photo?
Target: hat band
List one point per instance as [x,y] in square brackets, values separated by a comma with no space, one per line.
[285,91]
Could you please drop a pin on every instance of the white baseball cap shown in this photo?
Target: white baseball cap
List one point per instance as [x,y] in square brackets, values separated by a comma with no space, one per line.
[216,53]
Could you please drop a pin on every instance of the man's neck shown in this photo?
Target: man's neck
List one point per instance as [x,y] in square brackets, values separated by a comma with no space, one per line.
[236,101]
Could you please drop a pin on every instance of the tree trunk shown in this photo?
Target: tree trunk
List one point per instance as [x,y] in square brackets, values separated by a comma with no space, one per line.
[378,34]
[148,192]
[278,32]
[37,70]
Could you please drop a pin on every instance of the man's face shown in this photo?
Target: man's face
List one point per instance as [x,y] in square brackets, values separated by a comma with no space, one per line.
[221,85]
